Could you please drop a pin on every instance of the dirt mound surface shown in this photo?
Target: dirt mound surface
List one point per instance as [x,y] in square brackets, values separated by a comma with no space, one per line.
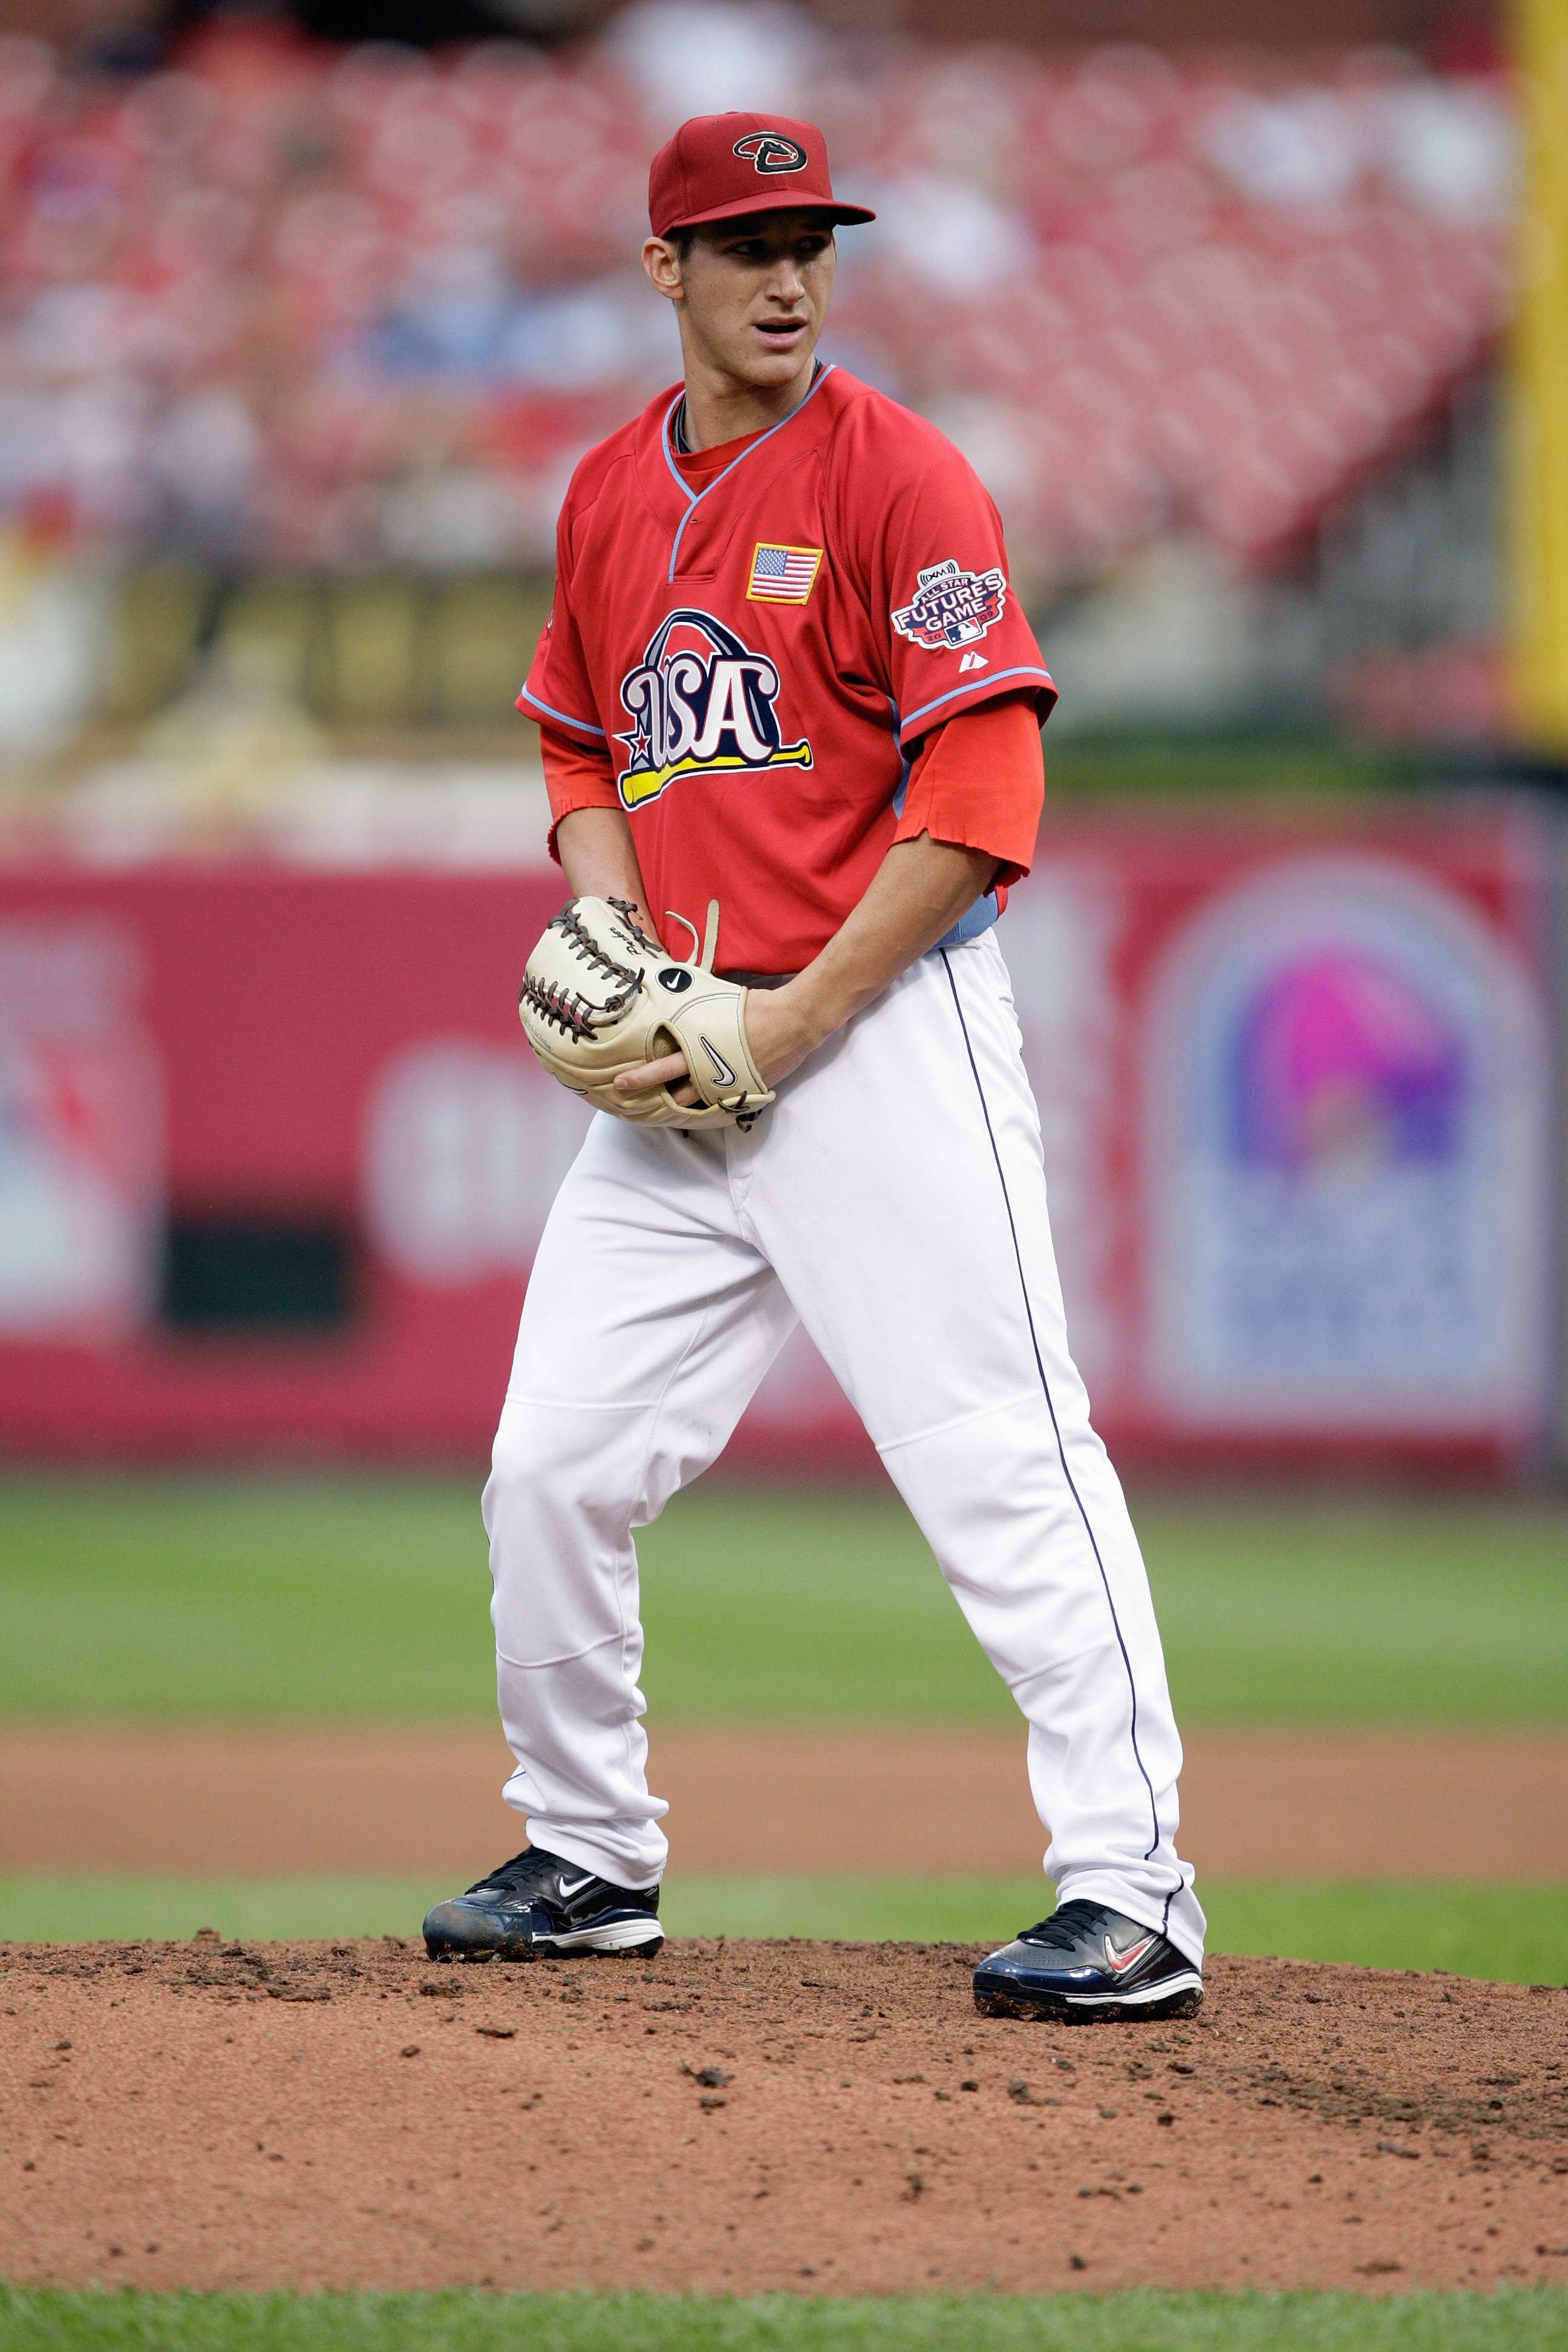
[736,2116]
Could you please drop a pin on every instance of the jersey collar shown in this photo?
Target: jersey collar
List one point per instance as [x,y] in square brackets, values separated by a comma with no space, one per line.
[689,499]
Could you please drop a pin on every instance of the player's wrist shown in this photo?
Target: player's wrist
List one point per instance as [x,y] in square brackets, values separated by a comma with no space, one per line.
[808,1011]
[783,1026]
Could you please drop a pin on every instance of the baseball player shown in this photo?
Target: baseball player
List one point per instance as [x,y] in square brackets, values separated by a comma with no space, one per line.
[787,687]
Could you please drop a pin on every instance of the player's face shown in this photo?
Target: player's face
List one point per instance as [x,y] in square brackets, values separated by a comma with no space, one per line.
[752,294]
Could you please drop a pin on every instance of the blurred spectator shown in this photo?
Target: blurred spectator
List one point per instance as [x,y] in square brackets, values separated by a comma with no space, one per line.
[707,56]
[52,631]
[277,306]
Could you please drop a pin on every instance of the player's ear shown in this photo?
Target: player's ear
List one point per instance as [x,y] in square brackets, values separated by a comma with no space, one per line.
[661,260]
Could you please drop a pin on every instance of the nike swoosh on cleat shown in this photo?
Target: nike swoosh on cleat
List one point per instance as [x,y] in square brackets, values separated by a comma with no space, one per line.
[570,1891]
[726,1075]
[1119,1963]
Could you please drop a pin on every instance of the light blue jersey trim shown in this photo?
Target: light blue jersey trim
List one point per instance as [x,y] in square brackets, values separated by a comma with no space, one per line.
[902,789]
[981,683]
[564,717]
[695,497]
[971,924]
[682,484]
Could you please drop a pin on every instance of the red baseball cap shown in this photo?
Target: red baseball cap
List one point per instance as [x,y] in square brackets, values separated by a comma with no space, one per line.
[722,166]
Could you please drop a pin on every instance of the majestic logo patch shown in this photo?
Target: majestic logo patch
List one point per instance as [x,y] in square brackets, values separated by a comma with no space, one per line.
[782,576]
[771,151]
[701,703]
[951,607]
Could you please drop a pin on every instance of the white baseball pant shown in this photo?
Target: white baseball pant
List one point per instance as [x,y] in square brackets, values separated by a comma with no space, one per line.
[893,1201]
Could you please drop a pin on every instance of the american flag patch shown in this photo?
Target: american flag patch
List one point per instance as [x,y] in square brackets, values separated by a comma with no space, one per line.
[782,576]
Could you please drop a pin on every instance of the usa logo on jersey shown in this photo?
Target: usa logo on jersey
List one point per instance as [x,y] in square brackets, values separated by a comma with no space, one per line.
[701,703]
[950,606]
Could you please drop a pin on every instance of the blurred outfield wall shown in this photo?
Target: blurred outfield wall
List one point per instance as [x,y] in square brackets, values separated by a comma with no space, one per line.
[274,1158]
[1539,485]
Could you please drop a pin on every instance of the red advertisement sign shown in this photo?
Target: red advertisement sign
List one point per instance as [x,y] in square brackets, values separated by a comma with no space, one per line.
[274,1158]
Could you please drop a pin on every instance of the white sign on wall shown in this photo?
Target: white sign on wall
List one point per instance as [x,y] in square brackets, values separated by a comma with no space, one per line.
[465,1145]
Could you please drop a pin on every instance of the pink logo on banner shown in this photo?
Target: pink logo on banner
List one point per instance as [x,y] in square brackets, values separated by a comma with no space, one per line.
[1339,1061]
[1347,1156]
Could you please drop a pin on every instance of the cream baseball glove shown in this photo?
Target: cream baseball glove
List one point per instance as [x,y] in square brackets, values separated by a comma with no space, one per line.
[599,997]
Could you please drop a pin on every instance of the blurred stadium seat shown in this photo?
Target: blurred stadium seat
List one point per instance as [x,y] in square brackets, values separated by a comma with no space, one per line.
[348,317]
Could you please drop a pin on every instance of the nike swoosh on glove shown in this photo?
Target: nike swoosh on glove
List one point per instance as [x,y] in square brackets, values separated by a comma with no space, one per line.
[599,997]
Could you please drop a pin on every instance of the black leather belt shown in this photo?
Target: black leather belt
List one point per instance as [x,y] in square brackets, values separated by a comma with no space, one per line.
[760,979]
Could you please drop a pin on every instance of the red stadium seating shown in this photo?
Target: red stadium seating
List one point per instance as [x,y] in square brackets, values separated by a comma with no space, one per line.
[287,306]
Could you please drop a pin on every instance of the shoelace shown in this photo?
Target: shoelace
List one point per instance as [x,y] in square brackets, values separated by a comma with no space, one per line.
[1061,1931]
[509,1875]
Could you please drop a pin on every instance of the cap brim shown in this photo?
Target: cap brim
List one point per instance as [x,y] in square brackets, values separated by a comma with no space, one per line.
[845,215]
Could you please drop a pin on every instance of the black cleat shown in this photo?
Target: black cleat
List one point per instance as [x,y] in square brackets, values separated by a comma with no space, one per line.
[536,1903]
[1085,1962]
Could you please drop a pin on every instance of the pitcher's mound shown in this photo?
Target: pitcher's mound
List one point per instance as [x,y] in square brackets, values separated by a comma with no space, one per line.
[736,2116]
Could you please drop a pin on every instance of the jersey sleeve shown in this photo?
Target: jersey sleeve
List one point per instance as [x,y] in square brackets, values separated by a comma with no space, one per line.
[558,692]
[979,780]
[955,635]
[575,749]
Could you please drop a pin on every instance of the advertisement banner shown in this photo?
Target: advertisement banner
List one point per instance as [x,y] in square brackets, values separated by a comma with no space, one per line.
[275,1159]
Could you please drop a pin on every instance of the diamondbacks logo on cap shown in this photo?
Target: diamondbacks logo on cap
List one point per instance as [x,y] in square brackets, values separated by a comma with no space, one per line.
[771,151]
[950,606]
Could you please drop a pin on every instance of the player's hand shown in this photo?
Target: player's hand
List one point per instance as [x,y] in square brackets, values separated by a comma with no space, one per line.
[662,1072]
[777,1031]
[780,1031]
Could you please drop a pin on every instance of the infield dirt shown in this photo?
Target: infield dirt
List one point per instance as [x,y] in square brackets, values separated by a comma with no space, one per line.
[249,1799]
[749,2116]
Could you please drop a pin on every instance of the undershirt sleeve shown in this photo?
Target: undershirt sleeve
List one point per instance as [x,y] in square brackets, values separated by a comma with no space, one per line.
[577,776]
[980,782]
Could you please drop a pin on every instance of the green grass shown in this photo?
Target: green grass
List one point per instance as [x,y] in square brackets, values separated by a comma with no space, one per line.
[1530,2320]
[352,1599]
[93,1906]
[1513,1933]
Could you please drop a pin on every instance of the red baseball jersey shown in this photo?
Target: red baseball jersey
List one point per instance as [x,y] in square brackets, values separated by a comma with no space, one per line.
[759,651]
